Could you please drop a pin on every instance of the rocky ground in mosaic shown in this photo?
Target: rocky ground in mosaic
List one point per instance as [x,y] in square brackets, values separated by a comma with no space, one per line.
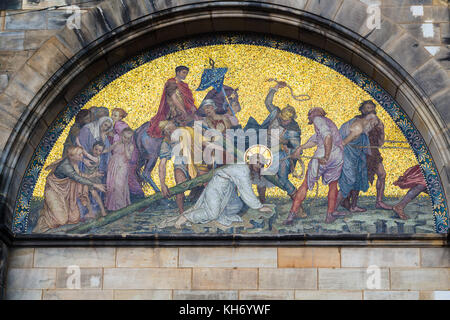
[254,222]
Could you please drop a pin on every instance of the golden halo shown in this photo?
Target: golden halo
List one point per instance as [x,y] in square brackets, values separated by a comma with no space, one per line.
[262,150]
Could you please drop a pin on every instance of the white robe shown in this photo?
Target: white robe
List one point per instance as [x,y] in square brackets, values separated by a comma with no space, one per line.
[220,202]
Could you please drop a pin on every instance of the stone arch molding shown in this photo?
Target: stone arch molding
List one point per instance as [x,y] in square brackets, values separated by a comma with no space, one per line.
[117,29]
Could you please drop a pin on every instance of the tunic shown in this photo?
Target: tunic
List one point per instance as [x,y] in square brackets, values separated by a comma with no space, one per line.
[220,202]
[63,188]
[354,171]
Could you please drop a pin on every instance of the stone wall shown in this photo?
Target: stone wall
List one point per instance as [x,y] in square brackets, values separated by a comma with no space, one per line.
[229,273]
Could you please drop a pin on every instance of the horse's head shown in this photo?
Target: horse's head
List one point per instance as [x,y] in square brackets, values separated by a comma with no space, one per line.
[233,98]
[221,102]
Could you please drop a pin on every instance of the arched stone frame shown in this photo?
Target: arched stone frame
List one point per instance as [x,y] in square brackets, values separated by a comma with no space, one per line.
[106,47]
[381,96]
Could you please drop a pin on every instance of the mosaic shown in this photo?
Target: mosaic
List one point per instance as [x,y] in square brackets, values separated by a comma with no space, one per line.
[333,152]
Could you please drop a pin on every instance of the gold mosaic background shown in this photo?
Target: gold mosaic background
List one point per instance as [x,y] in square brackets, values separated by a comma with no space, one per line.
[249,66]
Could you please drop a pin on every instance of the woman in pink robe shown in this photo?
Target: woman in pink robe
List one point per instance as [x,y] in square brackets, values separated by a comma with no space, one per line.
[118,192]
[118,114]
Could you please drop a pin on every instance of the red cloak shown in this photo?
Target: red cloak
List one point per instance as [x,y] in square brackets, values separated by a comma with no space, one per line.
[411,178]
[163,110]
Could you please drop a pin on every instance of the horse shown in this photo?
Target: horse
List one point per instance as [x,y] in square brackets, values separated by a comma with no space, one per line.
[149,147]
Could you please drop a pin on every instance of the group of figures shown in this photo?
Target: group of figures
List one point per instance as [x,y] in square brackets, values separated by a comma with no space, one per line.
[105,162]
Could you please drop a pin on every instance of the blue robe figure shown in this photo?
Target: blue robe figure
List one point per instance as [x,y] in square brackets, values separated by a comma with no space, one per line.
[354,172]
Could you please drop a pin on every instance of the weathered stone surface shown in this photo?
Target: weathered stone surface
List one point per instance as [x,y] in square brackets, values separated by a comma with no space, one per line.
[351,279]
[391,295]
[26,20]
[327,295]
[47,60]
[406,14]
[423,128]
[19,294]
[324,8]
[353,15]
[435,257]
[221,278]
[35,38]
[308,257]
[25,84]
[82,257]
[21,258]
[11,61]
[416,57]
[31,278]
[151,278]
[431,37]
[228,257]
[420,279]
[147,257]
[204,295]
[432,77]
[142,294]
[57,19]
[3,81]
[77,294]
[12,40]
[288,278]
[381,257]
[387,32]
[266,295]
[137,9]
[89,278]
[3,267]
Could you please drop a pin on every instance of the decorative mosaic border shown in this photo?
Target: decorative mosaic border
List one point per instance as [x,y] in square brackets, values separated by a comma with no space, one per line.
[417,143]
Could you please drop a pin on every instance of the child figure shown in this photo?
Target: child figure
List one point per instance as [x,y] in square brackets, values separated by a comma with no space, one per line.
[92,163]
[118,192]
[117,115]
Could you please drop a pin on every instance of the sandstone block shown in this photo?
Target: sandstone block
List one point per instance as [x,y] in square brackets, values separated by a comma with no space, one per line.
[327,295]
[21,294]
[78,294]
[204,295]
[147,257]
[266,294]
[224,278]
[149,278]
[288,278]
[31,278]
[352,279]
[142,294]
[435,257]
[381,257]
[228,257]
[391,295]
[82,257]
[21,258]
[420,279]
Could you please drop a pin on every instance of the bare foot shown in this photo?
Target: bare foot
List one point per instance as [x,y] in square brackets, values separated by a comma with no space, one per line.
[382,205]
[301,213]
[399,211]
[104,213]
[330,218]
[357,209]
[290,219]
[181,220]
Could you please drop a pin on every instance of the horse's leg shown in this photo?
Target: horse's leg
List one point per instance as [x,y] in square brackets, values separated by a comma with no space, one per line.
[147,174]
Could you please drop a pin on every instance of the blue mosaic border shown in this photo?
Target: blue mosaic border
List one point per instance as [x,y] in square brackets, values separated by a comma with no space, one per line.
[417,143]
